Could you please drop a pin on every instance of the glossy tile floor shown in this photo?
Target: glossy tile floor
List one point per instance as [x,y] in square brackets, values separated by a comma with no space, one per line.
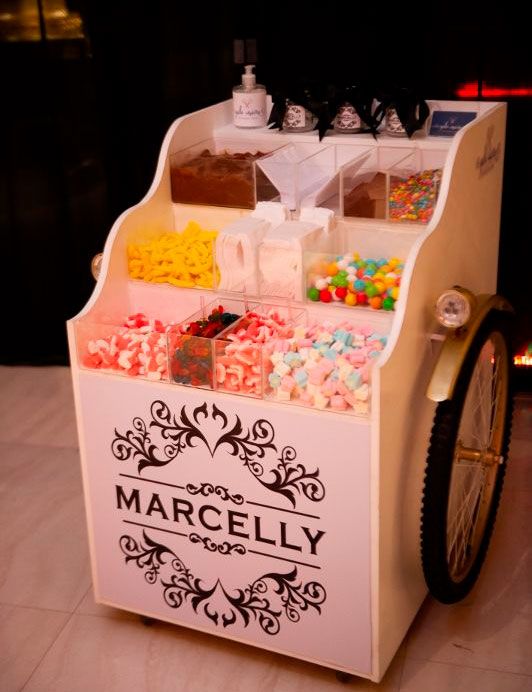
[54,638]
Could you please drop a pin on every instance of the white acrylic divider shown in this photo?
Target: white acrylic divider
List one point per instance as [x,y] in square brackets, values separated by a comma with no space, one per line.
[363,170]
[368,559]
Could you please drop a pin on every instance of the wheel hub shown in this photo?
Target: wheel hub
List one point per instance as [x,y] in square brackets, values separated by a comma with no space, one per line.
[487,457]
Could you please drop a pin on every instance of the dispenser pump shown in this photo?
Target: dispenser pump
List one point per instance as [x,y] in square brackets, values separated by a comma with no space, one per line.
[249,80]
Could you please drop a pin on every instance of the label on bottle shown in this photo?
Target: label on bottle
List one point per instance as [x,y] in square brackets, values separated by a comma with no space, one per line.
[249,108]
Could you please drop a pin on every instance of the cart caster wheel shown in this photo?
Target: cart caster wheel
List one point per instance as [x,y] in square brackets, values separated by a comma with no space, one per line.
[146,621]
[466,464]
[343,677]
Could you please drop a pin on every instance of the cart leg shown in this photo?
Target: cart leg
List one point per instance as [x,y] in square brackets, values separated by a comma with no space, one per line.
[343,677]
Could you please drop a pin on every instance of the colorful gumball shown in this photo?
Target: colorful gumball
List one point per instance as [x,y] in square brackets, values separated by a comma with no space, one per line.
[357,281]
[350,299]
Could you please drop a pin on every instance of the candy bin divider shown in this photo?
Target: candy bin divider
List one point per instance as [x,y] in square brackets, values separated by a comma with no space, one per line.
[206,342]
[349,165]
[387,188]
[220,346]
[379,160]
[264,188]
[299,318]
[264,309]
[329,194]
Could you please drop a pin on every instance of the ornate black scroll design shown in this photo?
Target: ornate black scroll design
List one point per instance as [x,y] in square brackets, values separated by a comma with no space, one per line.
[289,478]
[250,445]
[181,430]
[295,598]
[224,548]
[149,556]
[207,489]
[266,600]
[137,444]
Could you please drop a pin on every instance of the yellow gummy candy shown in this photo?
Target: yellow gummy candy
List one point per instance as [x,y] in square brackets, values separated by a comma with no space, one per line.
[182,259]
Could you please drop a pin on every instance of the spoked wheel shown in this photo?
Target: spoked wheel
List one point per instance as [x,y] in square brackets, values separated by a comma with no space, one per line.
[466,464]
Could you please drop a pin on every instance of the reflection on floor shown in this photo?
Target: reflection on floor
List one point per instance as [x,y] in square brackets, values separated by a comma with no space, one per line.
[54,638]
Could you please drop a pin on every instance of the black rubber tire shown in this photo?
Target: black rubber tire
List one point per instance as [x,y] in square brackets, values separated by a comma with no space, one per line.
[436,492]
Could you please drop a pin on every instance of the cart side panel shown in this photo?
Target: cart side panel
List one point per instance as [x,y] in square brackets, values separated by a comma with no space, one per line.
[232,517]
[462,249]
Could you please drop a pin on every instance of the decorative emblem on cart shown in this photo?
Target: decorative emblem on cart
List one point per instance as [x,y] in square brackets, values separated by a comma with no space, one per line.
[250,445]
[207,489]
[224,548]
[267,600]
[490,155]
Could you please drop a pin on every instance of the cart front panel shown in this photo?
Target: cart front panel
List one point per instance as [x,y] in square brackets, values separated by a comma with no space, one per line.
[230,516]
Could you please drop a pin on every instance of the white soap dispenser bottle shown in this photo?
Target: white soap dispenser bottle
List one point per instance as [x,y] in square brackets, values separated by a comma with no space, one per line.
[249,101]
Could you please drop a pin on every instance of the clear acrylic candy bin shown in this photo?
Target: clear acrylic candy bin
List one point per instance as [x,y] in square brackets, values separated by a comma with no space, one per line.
[119,350]
[326,367]
[221,172]
[240,350]
[413,186]
[184,258]
[393,184]
[364,182]
[361,277]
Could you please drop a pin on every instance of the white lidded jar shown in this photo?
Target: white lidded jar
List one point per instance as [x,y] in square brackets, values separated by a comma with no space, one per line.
[249,101]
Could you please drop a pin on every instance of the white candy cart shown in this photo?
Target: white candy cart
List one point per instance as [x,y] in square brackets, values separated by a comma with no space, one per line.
[292,529]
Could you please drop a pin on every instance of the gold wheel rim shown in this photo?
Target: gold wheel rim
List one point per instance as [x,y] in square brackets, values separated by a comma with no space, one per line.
[477,456]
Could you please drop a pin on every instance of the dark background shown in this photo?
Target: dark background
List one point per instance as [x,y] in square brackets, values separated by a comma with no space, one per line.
[82,122]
